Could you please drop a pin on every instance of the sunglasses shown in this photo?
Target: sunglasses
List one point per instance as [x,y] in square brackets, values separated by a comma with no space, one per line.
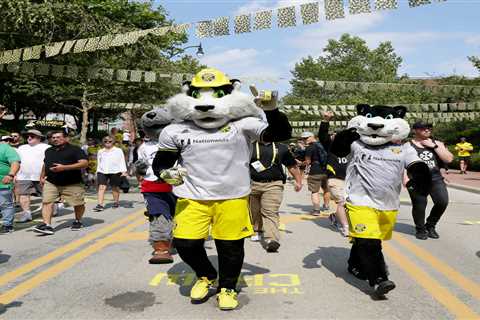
[107,141]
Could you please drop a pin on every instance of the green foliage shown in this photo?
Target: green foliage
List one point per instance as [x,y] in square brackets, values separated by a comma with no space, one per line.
[476,62]
[29,22]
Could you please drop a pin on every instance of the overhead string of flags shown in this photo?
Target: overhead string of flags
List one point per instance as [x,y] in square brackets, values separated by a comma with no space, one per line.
[244,23]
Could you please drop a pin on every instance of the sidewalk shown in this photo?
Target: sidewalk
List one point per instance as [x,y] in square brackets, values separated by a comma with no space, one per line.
[468,182]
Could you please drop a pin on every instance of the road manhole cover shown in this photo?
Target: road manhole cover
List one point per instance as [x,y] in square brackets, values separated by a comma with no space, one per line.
[132,301]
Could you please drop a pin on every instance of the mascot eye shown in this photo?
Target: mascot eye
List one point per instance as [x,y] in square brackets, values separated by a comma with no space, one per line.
[389,117]
[219,93]
[196,94]
[369,115]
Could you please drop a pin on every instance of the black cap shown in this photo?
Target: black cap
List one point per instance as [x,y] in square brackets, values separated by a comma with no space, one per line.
[422,125]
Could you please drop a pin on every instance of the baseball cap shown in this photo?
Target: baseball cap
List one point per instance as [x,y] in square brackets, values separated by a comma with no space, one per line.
[6,138]
[422,125]
[306,134]
[34,132]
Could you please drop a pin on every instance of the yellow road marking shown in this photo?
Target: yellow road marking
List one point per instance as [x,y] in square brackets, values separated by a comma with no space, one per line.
[28,285]
[12,275]
[468,285]
[440,293]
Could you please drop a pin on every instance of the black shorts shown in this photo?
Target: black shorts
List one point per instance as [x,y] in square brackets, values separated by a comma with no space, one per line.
[112,179]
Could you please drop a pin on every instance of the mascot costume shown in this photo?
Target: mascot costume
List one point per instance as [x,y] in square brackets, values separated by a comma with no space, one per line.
[373,185]
[213,146]
[159,200]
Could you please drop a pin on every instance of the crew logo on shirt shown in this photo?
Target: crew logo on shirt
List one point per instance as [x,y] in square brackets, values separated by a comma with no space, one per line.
[396,150]
[360,227]
[427,157]
[225,129]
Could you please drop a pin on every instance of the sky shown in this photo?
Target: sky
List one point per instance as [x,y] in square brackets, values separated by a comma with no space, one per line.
[433,40]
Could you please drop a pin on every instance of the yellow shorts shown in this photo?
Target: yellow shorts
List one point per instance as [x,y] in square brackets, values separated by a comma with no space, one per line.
[370,223]
[229,219]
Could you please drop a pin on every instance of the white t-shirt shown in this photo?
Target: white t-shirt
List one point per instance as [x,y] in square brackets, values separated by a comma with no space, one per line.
[217,160]
[147,152]
[31,161]
[126,136]
[112,161]
[375,174]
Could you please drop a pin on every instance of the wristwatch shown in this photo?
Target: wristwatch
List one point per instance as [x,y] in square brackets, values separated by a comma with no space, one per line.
[11,175]
[436,146]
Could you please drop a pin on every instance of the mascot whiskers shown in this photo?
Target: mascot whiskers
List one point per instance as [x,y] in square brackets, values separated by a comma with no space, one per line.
[213,146]
[373,185]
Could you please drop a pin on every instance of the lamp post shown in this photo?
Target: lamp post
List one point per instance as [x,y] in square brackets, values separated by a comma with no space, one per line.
[199,53]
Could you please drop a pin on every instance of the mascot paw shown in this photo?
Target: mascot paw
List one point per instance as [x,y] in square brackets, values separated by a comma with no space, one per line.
[265,99]
[141,167]
[174,176]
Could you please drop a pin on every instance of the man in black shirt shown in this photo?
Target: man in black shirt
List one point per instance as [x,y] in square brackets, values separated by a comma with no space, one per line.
[62,177]
[317,176]
[268,178]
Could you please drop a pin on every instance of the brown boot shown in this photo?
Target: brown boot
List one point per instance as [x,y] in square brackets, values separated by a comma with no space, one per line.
[161,253]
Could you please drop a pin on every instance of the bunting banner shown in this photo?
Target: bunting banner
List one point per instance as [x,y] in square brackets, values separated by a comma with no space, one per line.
[309,12]
[204,29]
[263,20]
[385,4]
[286,17]
[359,6]
[334,9]
[220,26]
[242,23]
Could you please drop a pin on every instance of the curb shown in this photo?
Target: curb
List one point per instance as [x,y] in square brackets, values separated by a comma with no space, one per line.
[463,188]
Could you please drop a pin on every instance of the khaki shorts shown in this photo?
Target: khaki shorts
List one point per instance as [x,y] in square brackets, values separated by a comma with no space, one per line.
[317,181]
[73,194]
[337,190]
[28,187]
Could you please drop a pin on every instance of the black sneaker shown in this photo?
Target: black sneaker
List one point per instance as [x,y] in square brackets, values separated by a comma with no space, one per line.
[76,225]
[44,229]
[384,287]
[421,234]
[432,233]
[115,205]
[6,229]
[99,208]
[272,246]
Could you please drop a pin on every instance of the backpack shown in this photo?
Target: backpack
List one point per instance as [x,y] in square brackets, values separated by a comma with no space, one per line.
[322,155]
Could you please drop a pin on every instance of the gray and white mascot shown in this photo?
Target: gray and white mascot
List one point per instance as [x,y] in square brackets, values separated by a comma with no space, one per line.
[373,184]
[213,146]
[159,200]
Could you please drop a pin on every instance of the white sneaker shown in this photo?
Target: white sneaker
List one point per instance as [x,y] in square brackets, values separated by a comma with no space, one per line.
[256,237]
[25,217]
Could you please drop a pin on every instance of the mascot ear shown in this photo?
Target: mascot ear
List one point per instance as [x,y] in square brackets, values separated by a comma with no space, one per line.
[186,86]
[400,111]
[236,84]
[362,109]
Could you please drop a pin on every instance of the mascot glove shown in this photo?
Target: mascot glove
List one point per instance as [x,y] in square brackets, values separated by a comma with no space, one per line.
[260,101]
[174,176]
[141,167]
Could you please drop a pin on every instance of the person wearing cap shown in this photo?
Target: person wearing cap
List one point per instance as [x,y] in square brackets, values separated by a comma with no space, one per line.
[463,148]
[434,154]
[16,140]
[28,178]
[9,165]
[316,158]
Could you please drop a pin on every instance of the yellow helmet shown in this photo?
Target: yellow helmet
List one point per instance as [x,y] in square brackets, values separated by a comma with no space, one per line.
[210,78]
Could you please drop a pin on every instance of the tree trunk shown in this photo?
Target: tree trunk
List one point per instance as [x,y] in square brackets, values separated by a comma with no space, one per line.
[85,108]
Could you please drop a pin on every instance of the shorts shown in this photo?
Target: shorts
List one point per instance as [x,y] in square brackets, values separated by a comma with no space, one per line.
[112,179]
[73,194]
[317,181]
[370,223]
[160,204]
[337,190]
[28,187]
[228,219]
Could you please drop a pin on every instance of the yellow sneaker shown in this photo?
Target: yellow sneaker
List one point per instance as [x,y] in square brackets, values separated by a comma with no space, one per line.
[200,288]
[227,299]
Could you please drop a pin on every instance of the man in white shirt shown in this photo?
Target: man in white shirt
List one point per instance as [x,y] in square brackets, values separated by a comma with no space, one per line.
[28,178]
[111,166]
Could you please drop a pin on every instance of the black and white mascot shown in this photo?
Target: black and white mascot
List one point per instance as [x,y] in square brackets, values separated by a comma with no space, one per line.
[373,184]
[213,146]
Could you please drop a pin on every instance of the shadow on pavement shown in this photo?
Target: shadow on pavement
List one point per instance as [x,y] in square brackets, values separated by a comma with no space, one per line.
[5,307]
[334,259]
[405,228]
[4,257]
[180,272]
[303,207]
[87,222]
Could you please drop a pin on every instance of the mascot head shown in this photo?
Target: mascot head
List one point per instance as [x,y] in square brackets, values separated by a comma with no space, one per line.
[152,122]
[379,125]
[211,100]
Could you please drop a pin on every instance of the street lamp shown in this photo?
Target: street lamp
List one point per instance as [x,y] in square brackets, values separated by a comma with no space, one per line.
[199,53]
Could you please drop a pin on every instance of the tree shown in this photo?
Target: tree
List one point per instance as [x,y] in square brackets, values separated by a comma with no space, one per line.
[29,22]
[475,61]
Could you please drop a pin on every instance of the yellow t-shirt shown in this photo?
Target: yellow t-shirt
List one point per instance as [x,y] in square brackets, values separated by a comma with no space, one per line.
[464,149]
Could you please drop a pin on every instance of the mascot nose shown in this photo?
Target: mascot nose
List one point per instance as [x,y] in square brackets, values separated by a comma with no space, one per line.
[204,108]
[375,126]
[151,115]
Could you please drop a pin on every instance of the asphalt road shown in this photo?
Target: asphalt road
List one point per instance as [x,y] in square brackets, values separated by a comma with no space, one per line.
[101,272]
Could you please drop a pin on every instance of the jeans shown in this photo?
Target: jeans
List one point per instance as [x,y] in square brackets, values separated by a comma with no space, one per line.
[439,196]
[7,207]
